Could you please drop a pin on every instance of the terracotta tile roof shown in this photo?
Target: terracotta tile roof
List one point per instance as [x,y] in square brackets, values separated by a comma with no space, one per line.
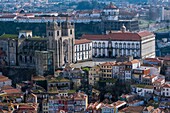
[144,33]
[10,91]
[166,85]
[127,36]
[4,78]
[159,80]
[82,41]
[153,60]
[149,76]
[108,64]
[131,62]
[6,87]
[38,78]
[133,109]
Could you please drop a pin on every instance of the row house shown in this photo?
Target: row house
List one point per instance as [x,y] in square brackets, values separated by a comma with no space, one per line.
[165,90]
[143,90]
[149,79]
[158,90]
[158,85]
[94,75]
[123,70]
[106,69]
[73,103]
[54,84]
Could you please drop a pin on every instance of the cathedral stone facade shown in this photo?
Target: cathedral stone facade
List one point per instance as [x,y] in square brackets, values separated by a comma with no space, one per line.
[61,40]
[20,50]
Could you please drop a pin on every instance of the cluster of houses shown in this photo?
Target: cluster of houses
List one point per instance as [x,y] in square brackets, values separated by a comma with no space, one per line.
[59,93]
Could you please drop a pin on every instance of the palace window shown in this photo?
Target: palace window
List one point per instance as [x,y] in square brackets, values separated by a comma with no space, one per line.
[137,46]
[110,44]
[124,45]
[103,44]
[120,45]
[100,52]
[99,44]
[133,45]
[116,44]
[95,44]
[128,45]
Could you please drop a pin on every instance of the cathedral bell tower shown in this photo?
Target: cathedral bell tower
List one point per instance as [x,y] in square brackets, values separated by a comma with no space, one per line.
[61,40]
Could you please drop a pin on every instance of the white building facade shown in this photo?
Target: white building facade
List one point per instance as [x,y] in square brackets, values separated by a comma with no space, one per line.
[138,45]
[165,90]
[83,50]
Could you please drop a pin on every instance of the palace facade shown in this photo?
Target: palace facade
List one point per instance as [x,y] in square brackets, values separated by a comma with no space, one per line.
[123,43]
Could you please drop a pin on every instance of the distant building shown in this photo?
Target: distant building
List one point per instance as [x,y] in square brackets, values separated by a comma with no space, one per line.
[106,69]
[94,75]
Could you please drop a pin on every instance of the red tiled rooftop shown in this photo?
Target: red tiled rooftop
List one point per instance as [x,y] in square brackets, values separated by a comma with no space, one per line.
[82,41]
[6,87]
[127,36]
[108,64]
[166,85]
[144,33]
[10,91]
[3,78]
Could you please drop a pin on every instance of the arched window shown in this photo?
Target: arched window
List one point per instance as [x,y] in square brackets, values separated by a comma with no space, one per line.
[99,44]
[137,45]
[120,45]
[103,44]
[124,45]
[29,36]
[22,36]
[133,45]
[95,44]
[128,45]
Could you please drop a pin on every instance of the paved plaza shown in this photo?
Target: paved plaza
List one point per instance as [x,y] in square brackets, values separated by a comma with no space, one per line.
[95,61]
